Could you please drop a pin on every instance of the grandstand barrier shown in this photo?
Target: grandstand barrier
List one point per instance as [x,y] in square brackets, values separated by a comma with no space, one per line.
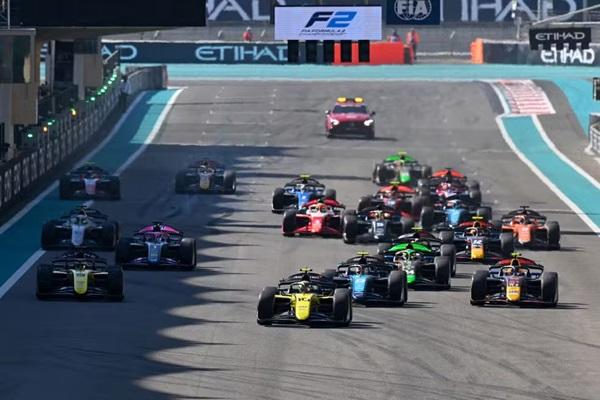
[69,136]
[516,52]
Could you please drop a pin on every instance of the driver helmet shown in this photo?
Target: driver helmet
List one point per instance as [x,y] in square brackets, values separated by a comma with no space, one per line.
[448,176]
[473,231]
[452,203]
[515,262]
[302,187]
[508,270]
[157,227]
[304,286]
[476,224]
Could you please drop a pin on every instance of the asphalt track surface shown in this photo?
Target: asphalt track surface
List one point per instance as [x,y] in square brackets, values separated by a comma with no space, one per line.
[193,335]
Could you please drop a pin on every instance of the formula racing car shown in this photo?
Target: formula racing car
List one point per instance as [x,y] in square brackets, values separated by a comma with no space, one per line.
[400,167]
[422,270]
[350,116]
[205,176]
[80,275]
[371,280]
[448,183]
[321,217]
[89,182]
[479,241]
[155,246]
[375,224]
[81,227]
[531,229]
[298,192]
[515,281]
[305,298]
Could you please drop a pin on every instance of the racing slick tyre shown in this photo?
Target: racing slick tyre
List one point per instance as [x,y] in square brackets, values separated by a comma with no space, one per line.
[109,235]
[397,287]
[44,283]
[278,203]
[423,184]
[426,217]
[266,305]
[64,188]
[552,235]
[479,287]
[350,228]
[416,205]
[384,175]
[485,213]
[330,194]
[289,223]
[407,224]
[507,244]
[447,237]
[123,251]
[475,196]
[187,253]
[229,182]
[115,188]
[550,288]
[370,134]
[180,182]
[449,250]
[48,235]
[442,271]
[417,267]
[363,203]
[115,283]
[342,307]
[473,185]
[383,247]
[425,171]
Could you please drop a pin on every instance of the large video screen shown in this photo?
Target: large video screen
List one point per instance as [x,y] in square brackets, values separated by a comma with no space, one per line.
[328,23]
[108,13]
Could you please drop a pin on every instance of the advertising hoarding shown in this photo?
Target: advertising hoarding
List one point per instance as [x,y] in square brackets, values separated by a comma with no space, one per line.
[328,23]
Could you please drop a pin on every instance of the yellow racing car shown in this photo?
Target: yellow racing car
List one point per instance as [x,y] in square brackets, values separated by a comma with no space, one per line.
[305,298]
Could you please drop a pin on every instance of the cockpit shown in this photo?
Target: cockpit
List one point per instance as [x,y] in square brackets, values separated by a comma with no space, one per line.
[319,209]
[304,287]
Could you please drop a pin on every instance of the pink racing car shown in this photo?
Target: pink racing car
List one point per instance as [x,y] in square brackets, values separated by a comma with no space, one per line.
[157,246]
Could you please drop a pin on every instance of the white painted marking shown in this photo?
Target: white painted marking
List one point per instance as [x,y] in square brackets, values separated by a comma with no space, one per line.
[39,253]
[535,169]
[17,217]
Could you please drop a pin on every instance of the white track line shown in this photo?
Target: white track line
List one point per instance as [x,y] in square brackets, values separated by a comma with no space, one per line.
[534,168]
[39,253]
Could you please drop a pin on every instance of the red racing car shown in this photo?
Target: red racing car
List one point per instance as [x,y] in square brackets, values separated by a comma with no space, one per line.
[350,116]
[317,217]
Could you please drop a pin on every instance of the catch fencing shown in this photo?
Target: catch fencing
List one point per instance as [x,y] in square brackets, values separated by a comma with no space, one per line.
[69,134]
[594,132]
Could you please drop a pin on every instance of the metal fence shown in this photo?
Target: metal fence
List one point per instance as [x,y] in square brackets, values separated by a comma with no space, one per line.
[594,132]
[69,134]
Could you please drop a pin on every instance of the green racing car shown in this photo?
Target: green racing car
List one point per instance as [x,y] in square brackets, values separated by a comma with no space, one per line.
[401,167]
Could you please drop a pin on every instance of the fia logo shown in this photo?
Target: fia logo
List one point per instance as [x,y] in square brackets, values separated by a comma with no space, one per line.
[412,10]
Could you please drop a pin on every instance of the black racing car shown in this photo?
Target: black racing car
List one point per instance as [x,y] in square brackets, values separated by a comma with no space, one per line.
[80,227]
[89,182]
[374,224]
[206,176]
[298,192]
[80,275]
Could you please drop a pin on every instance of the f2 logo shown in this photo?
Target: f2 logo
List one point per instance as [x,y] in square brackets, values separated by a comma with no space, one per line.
[339,19]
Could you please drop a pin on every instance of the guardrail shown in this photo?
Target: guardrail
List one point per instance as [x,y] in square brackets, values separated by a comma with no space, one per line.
[69,133]
[594,133]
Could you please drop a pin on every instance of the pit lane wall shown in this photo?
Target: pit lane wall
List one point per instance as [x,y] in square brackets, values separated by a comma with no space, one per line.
[515,52]
[218,52]
[68,135]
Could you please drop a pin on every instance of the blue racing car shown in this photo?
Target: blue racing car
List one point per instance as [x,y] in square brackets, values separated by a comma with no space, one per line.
[371,280]
[298,192]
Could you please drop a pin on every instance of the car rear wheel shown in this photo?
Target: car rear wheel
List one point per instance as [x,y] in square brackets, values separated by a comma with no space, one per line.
[44,281]
[229,182]
[109,235]
[350,230]
[123,252]
[330,194]
[187,253]
[507,244]
[485,213]
[475,196]
[363,203]
[115,283]
[553,235]
[479,287]
[426,218]
[447,237]
[449,250]
[278,203]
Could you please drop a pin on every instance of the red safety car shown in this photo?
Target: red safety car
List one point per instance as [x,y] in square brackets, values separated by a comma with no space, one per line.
[317,217]
[350,116]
